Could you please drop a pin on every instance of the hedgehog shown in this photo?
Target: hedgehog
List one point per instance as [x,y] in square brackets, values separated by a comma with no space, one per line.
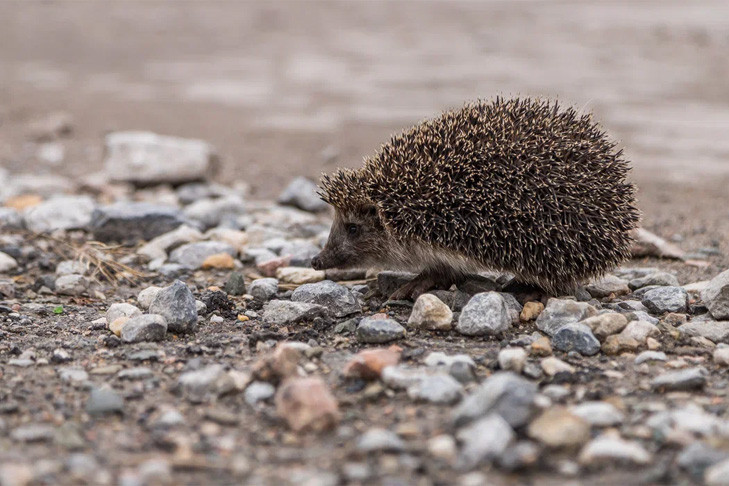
[520,185]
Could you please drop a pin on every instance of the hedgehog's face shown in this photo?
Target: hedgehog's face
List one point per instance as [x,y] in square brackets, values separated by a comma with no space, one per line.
[357,240]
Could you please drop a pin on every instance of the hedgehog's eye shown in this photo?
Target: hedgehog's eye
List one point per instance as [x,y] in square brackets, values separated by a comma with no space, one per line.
[352,229]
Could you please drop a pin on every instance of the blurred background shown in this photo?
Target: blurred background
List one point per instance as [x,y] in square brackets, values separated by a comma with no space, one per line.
[297,88]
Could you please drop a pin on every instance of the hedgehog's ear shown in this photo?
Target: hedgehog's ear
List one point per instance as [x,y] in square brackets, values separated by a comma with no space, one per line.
[370,211]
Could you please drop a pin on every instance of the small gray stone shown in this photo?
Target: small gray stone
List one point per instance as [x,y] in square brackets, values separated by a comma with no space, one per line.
[338,299]
[192,255]
[646,356]
[155,471]
[715,331]
[10,219]
[263,289]
[285,312]
[696,457]
[439,389]
[73,375]
[718,474]
[599,414]
[640,331]
[51,153]
[33,433]
[146,158]
[60,355]
[607,324]
[484,440]
[302,193]
[505,393]
[376,440]
[375,330]
[716,296]
[201,308]
[145,355]
[666,299]
[513,305]
[7,263]
[459,366]
[639,293]
[138,373]
[610,448]
[146,327]
[437,359]
[212,212]
[299,251]
[258,391]
[485,314]
[168,419]
[687,379]
[173,270]
[236,284]
[157,248]
[576,337]
[81,465]
[7,288]
[559,312]
[607,285]
[69,436]
[206,382]
[690,419]
[21,362]
[656,278]
[347,327]
[73,285]
[134,221]
[512,359]
[176,305]
[521,455]
[103,401]
[146,296]
[118,310]
[69,267]
[556,393]
[402,377]
[60,213]
[195,191]
[258,255]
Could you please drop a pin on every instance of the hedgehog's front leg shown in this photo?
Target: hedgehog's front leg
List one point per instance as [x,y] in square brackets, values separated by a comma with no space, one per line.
[429,279]
[413,289]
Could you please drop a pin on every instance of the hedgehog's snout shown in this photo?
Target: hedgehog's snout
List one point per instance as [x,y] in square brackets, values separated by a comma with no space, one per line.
[316,263]
[328,258]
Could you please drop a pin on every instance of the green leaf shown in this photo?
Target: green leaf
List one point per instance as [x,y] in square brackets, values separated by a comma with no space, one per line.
[58,310]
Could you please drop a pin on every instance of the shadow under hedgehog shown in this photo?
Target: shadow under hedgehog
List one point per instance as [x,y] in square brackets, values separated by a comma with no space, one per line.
[518,185]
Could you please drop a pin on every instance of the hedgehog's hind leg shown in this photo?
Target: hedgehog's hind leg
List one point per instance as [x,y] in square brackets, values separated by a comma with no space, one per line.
[526,292]
[428,279]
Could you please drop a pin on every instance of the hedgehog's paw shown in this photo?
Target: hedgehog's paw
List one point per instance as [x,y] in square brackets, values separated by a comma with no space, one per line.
[415,288]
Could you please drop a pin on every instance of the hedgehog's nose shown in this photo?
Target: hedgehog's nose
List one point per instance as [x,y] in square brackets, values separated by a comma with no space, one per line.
[316,262]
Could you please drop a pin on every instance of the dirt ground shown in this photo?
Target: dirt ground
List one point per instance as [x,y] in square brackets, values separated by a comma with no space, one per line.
[299,88]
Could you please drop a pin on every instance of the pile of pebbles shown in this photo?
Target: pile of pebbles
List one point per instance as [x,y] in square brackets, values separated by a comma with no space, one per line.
[224,355]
